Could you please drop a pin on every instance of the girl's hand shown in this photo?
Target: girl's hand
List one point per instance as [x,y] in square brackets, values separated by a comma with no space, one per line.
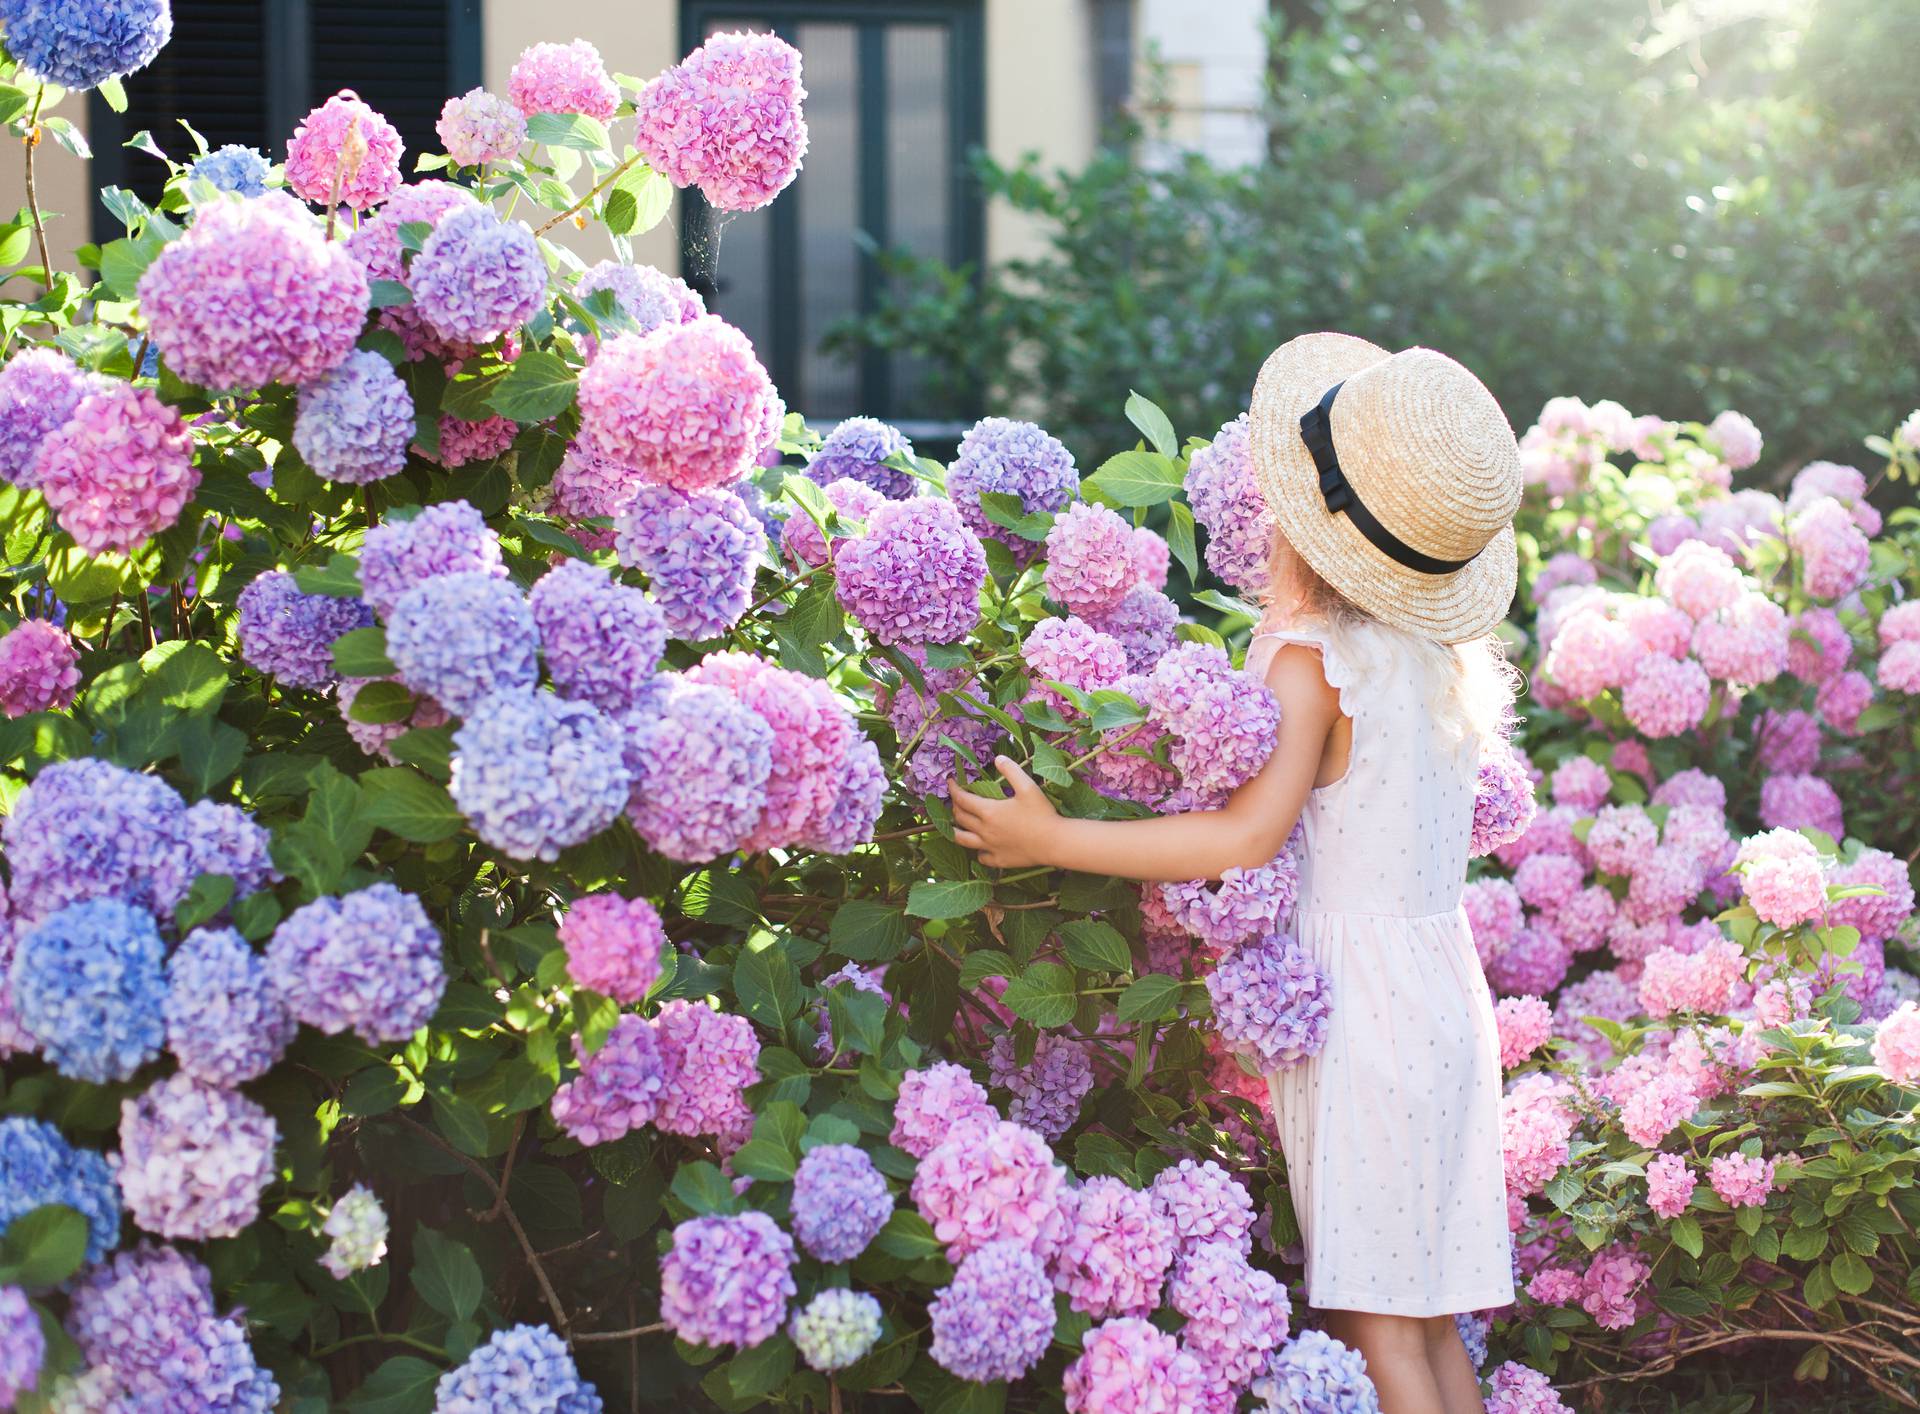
[1010,833]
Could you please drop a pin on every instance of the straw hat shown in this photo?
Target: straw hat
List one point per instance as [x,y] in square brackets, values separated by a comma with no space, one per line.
[1407,508]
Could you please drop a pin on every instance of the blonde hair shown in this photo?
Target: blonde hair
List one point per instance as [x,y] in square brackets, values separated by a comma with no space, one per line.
[1470,686]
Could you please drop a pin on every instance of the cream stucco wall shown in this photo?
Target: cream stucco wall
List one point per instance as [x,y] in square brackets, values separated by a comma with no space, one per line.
[1042,97]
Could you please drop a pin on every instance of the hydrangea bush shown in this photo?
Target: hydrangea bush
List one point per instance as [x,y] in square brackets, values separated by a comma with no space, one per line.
[481,925]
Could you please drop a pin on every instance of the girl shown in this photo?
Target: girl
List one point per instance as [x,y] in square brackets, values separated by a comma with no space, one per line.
[1392,480]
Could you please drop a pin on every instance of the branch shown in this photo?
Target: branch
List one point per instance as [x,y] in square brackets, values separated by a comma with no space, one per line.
[599,187]
[585,1336]
[32,141]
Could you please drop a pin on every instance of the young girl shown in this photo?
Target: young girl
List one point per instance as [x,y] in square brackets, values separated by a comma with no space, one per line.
[1392,480]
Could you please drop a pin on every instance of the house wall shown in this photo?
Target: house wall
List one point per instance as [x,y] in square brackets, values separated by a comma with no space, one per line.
[1210,78]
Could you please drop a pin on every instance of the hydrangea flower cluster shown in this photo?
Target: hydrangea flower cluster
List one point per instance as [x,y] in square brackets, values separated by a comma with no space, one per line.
[1244,906]
[915,576]
[995,1319]
[1741,1180]
[289,635]
[368,962]
[836,1328]
[479,127]
[376,246]
[1524,1025]
[1669,1185]
[601,640]
[80,44]
[613,945]
[355,421]
[523,1368]
[563,78]
[1271,1002]
[1010,458]
[1126,1366]
[445,539]
[992,1179]
[700,759]
[709,1058]
[534,773]
[692,119]
[1236,1316]
[1520,1389]
[233,168]
[618,1088]
[478,277]
[84,984]
[1116,1252]
[1221,722]
[699,550]
[1229,506]
[1782,877]
[1073,652]
[39,389]
[194,1158]
[1535,1127]
[253,294]
[1047,1091]
[1145,623]
[840,1202]
[1896,1044]
[1204,1205]
[857,802]
[344,154]
[686,405]
[1090,564]
[224,1022]
[38,669]
[23,1346]
[857,450]
[1503,804]
[1315,1374]
[461,638]
[646,296]
[727,1280]
[931,1102]
[120,469]
[357,1230]
[38,1166]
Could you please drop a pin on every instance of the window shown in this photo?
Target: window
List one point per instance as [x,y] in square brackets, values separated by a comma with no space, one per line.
[894,104]
[247,71]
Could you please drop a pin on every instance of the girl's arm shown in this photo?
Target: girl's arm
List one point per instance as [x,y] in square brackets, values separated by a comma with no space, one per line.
[1248,831]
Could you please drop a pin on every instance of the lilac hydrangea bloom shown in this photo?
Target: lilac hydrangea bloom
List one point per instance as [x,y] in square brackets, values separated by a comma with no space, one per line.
[1090,564]
[1503,804]
[225,1023]
[1473,1327]
[840,1202]
[915,576]
[693,120]
[357,1227]
[480,127]
[618,1088]
[995,1319]
[700,760]
[534,773]
[39,389]
[194,1159]
[478,277]
[1271,1002]
[376,246]
[218,838]
[857,801]
[289,635]
[233,168]
[81,44]
[23,1346]
[38,1166]
[811,735]
[450,538]
[1117,1250]
[1244,906]
[1144,621]
[1229,506]
[1047,1091]
[836,1328]
[857,450]
[1315,1374]
[710,1059]
[931,1101]
[355,421]
[1236,1315]
[613,945]
[1012,458]
[87,829]
[85,986]
[527,1369]
[991,1179]
[648,297]
[1128,1366]
[727,1280]
[368,961]
[38,669]
[460,638]
[602,640]
[802,538]
[1205,1205]
[1222,722]
[699,550]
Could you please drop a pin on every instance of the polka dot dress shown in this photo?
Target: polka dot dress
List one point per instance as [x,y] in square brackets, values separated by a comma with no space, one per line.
[1392,1133]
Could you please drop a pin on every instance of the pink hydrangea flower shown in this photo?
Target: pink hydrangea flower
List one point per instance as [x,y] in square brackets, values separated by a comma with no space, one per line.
[1833,552]
[1691,786]
[710,1058]
[685,405]
[1738,439]
[1536,962]
[1901,623]
[1622,839]
[1204,1204]
[1566,567]
[1877,916]
[1128,1367]
[1899,667]
[563,78]
[1819,646]
[120,470]
[1670,1185]
[800,535]
[1702,981]
[1741,1180]
[1610,1290]
[1800,803]
[1536,1126]
[1222,722]
[1590,654]
[1788,742]
[1666,697]
[1236,1316]
[992,1179]
[1782,877]
[1494,914]
[1656,626]
[38,669]
[1524,1024]
[194,1158]
[39,389]
[1116,1251]
[1089,558]
[727,119]
[1842,698]
[1520,1389]
[1152,557]
[613,945]
[1581,783]
[1072,652]
[1554,1286]
[463,443]
[931,1102]
[480,127]
[1831,481]
[344,154]
[1896,1045]
[1699,580]
[812,734]
[1745,644]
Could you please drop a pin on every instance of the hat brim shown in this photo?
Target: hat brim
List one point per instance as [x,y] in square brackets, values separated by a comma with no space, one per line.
[1465,604]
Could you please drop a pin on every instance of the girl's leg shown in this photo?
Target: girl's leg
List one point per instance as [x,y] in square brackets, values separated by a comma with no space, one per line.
[1452,1369]
[1396,1351]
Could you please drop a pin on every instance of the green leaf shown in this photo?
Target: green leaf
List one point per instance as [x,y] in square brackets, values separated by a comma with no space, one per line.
[1148,998]
[1181,539]
[1096,945]
[114,92]
[189,676]
[621,211]
[1682,1301]
[43,1246]
[1135,479]
[380,702]
[908,1236]
[652,194]
[405,803]
[761,1369]
[1851,1274]
[208,895]
[403,1385]
[387,294]
[339,578]
[1044,994]
[445,1274]
[413,234]
[768,985]
[1153,424]
[1005,509]
[703,1188]
[362,653]
[1685,1232]
[373,1091]
[867,931]
[1818,1288]
[948,898]
[539,386]
[124,261]
[763,1159]
[461,1122]
[575,130]
[13,102]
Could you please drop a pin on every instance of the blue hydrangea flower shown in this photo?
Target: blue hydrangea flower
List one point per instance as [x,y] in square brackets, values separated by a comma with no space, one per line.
[995,1319]
[460,637]
[602,640]
[1315,1374]
[369,961]
[478,277]
[234,168]
[221,839]
[38,1166]
[86,983]
[89,829]
[225,1023]
[534,773]
[526,1369]
[1473,1327]
[289,635]
[355,421]
[1011,458]
[836,1328]
[840,1202]
[858,449]
[83,43]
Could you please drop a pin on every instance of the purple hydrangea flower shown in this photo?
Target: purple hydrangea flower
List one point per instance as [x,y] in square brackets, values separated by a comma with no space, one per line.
[1047,1091]
[225,1023]
[355,421]
[368,961]
[450,538]
[1244,906]
[1204,1204]
[1503,804]
[87,829]
[1127,1366]
[727,1280]
[39,389]
[82,43]
[995,1319]
[710,1059]
[1474,1327]
[811,735]
[915,576]
[289,635]
[460,638]
[857,450]
[1271,1002]
[700,760]
[840,1202]
[699,550]
[376,246]
[648,297]
[86,983]
[1144,621]
[527,1369]
[1236,1315]
[602,640]
[23,1346]
[38,1166]
[233,168]
[478,277]
[1229,506]
[1222,722]
[836,1328]
[1315,1374]
[857,801]
[38,669]
[727,119]
[1012,458]
[618,1088]
[219,839]
[535,774]
[194,1159]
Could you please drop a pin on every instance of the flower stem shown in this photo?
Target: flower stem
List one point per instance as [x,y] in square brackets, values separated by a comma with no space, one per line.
[599,187]
[32,141]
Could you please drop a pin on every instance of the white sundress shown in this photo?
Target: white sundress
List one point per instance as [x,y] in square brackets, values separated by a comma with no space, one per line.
[1392,1133]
